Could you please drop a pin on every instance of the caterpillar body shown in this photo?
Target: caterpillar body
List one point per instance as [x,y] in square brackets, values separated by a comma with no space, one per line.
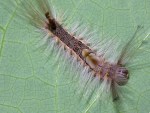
[97,70]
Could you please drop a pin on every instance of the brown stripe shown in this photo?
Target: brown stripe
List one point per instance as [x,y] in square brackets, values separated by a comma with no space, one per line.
[73,43]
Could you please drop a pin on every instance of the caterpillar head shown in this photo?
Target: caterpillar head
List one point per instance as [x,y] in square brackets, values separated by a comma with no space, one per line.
[121,76]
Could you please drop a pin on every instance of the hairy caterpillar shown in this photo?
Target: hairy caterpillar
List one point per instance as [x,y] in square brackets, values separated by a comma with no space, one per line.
[97,70]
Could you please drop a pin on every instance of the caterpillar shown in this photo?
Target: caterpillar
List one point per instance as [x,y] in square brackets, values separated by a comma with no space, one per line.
[102,70]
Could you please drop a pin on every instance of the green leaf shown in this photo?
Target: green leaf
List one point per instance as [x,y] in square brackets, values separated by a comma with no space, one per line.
[29,85]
